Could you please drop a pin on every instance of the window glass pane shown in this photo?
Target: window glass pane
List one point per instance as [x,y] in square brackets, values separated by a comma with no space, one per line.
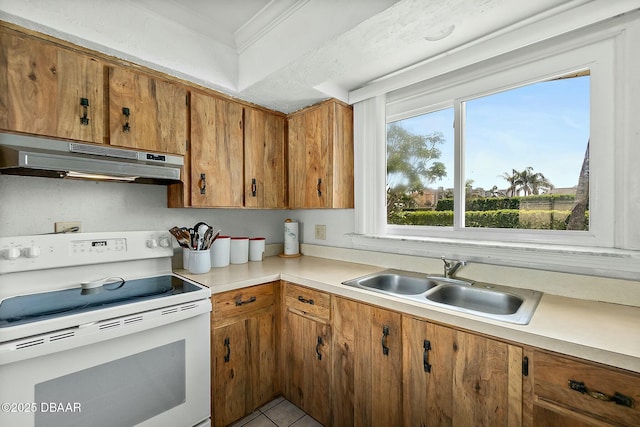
[420,169]
[526,156]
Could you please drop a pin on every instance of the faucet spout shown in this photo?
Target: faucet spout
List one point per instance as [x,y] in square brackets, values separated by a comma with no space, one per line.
[451,266]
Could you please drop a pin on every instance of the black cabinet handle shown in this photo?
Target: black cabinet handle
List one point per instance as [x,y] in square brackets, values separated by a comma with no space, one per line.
[305,301]
[84,119]
[227,357]
[617,398]
[254,188]
[203,183]
[239,302]
[126,113]
[319,187]
[385,334]
[426,345]
[318,345]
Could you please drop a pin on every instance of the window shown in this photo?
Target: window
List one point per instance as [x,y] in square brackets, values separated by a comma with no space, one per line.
[525,156]
[601,58]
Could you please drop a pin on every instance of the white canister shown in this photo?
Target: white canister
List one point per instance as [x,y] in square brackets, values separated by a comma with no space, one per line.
[291,243]
[256,248]
[199,261]
[221,251]
[239,250]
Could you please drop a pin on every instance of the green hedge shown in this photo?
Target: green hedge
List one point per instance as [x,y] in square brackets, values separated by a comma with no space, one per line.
[501,203]
[503,218]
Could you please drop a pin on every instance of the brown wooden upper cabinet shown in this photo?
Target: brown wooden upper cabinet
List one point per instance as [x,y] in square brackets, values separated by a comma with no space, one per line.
[265,174]
[216,152]
[146,113]
[50,91]
[321,156]
[237,155]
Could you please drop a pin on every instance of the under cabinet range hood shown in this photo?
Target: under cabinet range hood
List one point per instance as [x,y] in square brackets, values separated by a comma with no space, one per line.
[25,155]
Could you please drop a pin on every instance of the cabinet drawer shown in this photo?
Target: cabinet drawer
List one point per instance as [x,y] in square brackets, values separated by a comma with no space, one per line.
[308,302]
[239,302]
[582,386]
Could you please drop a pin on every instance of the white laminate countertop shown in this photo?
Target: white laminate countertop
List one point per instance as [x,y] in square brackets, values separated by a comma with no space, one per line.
[601,332]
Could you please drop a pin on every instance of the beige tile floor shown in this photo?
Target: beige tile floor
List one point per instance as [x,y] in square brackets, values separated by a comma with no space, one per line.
[279,412]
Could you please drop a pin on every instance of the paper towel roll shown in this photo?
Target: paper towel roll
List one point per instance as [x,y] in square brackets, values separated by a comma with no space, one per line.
[291,244]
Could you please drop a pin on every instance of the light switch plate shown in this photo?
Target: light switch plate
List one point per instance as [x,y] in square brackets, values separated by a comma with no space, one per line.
[321,232]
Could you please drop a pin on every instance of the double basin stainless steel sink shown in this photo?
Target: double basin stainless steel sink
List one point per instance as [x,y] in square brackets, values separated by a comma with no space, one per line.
[496,302]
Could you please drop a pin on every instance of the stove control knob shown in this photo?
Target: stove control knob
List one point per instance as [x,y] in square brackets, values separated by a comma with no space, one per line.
[164,242]
[12,253]
[152,243]
[32,251]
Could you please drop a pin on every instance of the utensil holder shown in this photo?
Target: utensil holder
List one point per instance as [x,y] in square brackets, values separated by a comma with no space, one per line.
[199,261]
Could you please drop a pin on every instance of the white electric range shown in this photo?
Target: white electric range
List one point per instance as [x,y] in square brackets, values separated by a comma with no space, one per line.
[96,330]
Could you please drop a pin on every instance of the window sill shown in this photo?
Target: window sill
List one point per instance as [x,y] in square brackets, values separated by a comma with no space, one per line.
[602,262]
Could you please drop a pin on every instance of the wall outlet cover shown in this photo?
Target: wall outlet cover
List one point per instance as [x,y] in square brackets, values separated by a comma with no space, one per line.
[68,227]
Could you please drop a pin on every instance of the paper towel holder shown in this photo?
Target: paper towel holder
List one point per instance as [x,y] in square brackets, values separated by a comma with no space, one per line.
[284,255]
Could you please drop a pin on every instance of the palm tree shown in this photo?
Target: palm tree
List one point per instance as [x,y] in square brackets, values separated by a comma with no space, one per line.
[512,179]
[532,183]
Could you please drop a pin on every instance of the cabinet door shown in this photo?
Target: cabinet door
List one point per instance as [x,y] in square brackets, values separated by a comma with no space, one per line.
[310,158]
[231,376]
[470,381]
[43,88]
[265,175]
[146,113]
[307,365]
[243,351]
[367,365]
[428,363]
[487,379]
[216,152]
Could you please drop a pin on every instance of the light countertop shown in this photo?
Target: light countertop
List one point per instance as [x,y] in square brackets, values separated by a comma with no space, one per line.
[597,331]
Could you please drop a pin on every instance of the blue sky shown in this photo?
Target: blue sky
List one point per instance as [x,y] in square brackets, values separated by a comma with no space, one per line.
[543,125]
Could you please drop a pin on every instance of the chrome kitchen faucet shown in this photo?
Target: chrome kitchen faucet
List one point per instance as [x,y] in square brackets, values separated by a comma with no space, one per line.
[451,266]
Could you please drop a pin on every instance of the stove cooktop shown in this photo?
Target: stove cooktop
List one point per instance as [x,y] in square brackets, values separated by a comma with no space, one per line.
[25,309]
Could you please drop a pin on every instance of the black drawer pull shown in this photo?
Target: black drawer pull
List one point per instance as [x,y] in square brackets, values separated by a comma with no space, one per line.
[305,301]
[318,345]
[385,334]
[617,398]
[227,356]
[84,119]
[126,113]
[203,183]
[426,345]
[239,302]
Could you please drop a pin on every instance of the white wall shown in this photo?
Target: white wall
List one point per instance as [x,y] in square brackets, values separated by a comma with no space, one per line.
[31,205]
[339,224]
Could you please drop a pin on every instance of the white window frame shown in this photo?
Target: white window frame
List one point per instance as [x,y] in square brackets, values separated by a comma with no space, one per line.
[610,247]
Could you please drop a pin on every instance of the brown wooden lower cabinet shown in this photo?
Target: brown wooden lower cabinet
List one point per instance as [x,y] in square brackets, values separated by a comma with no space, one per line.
[243,352]
[348,363]
[306,351]
[367,365]
[572,392]
[455,378]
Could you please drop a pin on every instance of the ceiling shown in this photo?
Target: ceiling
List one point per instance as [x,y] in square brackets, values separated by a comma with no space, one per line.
[282,54]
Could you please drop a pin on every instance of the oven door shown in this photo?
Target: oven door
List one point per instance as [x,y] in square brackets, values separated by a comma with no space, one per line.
[153,377]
